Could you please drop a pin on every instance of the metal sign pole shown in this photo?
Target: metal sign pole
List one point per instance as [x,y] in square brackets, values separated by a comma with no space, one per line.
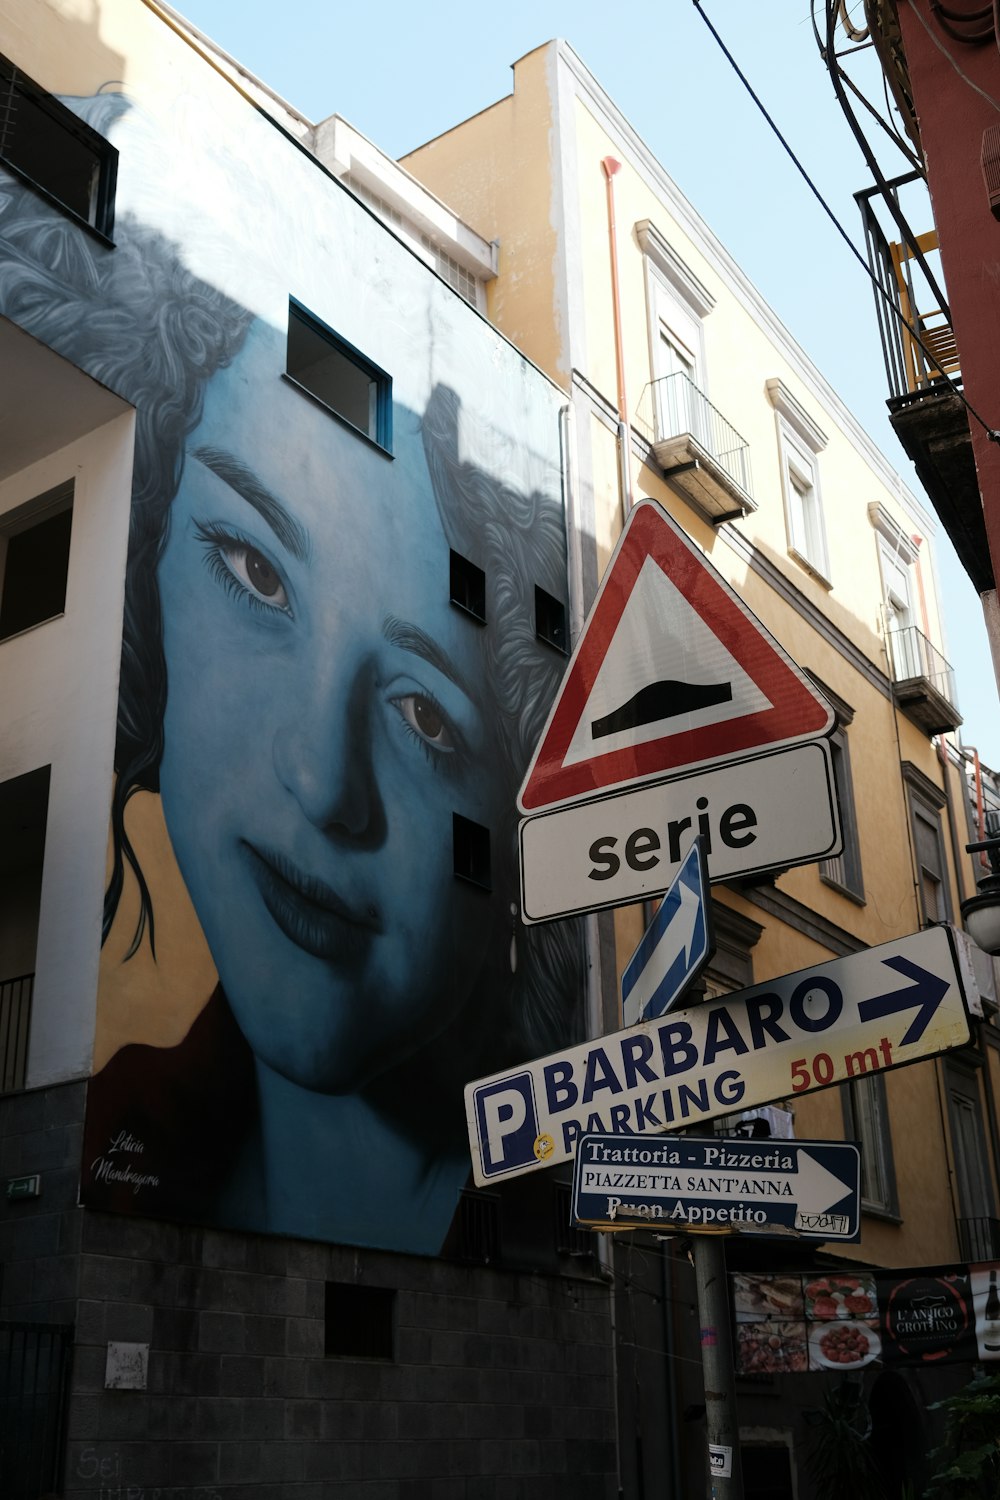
[725,1474]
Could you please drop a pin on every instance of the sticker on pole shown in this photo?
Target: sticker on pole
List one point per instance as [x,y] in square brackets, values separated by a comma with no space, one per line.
[672,671]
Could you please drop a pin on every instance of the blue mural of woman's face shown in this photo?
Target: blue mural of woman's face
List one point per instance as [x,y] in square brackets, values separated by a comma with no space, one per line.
[324,722]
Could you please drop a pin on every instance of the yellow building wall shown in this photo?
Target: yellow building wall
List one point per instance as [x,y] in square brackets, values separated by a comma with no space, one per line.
[497,171]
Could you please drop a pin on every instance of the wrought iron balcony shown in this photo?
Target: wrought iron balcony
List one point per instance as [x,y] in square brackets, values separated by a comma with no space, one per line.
[979,1239]
[698,450]
[15,1023]
[923,682]
[919,349]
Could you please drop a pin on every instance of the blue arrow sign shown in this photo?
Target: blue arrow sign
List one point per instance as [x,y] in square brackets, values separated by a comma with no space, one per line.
[675,946]
[682,1184]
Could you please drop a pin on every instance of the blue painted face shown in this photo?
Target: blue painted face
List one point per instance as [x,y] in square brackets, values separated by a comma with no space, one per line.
[324,722]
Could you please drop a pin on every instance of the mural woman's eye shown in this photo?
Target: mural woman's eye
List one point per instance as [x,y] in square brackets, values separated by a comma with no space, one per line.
[260,574]
[243,570]
[423,717]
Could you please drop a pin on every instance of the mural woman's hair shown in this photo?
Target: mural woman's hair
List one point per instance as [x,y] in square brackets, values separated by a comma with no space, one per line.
[520,540]
[135,319]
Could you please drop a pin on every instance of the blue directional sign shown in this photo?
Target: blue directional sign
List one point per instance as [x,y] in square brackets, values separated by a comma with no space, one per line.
[685,1184]
[675,947]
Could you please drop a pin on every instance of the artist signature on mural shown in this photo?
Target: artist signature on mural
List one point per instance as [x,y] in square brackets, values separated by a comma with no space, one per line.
[106,1169]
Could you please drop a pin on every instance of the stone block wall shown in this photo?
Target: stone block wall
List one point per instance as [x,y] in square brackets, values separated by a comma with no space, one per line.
[500,1383]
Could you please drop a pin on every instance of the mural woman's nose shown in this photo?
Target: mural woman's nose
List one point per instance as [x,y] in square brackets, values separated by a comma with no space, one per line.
[323,757]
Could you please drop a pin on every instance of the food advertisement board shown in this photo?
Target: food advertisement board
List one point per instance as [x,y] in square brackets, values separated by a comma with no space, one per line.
[833,1320]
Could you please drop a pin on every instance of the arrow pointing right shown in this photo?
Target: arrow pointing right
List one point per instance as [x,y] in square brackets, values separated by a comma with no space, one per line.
[816,1189]
[927,992]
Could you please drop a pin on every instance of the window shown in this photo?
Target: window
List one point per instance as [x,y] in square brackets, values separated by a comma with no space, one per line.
[866,1120]
[897,555]
[346,383]
[844,870]
[359,1321]
[34,560]
[471,851]
[800,442]
[550,620]
[467,585]
[46,144]
[676,304]
[925,801]
[24,802]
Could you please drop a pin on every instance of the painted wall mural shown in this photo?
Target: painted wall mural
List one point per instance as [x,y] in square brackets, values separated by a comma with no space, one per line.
[295,984]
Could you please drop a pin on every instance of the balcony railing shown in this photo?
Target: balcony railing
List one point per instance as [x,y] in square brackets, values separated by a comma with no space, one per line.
[15,1023]
[923,682]
[696,447]
[979,1239]
[908,293]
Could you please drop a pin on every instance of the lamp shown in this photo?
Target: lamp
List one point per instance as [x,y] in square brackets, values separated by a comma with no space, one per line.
[981,913]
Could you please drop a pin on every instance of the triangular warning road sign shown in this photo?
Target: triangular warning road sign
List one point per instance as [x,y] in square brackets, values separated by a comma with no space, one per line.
[672,671]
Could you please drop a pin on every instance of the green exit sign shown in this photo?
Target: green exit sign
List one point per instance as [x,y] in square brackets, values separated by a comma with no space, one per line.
[24,1187]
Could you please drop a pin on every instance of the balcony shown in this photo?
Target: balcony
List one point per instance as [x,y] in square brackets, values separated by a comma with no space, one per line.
[698,450]
[923,683]
[919,349]
[15,1022]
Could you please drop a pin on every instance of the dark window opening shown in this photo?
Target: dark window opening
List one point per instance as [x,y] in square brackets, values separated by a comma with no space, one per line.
[478,1227]
[24,804]
[468,586]
[34,561]
[339,376]
[52,148]
[471,851]
[359,1321]
[550,621]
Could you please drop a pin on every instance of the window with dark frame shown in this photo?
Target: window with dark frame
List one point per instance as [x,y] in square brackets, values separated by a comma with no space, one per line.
[339,376]
[54,151]
[467,584]
[359,1321]
[471,851]
[843,870]
[550,621]
[34,560]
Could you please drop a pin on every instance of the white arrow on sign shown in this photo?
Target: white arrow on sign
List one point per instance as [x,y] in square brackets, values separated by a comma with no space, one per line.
[792,1035]
[810,1185]
[675,946]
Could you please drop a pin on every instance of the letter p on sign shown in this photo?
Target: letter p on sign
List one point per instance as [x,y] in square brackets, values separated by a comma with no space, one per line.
[507,1123]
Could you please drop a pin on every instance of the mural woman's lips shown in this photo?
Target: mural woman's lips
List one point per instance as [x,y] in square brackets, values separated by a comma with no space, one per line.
[309,912]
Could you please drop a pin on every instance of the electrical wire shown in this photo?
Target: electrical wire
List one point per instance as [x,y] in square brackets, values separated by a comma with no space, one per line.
[992,434]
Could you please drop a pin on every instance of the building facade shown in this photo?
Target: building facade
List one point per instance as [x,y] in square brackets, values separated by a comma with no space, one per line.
[315,462]
[736,433]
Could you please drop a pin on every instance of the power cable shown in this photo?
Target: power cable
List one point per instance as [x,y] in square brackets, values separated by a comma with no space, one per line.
[992,434]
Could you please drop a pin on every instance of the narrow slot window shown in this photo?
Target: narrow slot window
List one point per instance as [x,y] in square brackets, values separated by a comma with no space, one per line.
[468,587]
[550,621]
[471,846]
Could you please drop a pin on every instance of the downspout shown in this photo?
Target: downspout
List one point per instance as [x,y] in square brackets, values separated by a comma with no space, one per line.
[610,166]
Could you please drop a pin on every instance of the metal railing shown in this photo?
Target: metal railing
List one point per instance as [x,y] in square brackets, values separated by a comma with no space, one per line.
[478,1227]
[15,1024]
[979,1239]
[907,291]
[34,1380]
[673,405]
[912,655]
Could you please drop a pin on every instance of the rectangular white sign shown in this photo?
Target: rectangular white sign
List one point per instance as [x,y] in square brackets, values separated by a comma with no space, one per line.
[776,810]
[875,1010]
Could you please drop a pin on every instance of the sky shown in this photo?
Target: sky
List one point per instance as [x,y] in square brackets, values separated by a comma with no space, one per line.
[402,74]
